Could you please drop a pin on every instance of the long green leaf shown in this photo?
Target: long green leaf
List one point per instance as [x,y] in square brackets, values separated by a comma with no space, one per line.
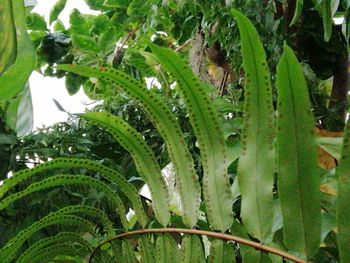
[257,161]
[13,80]
[298,179]
[343,209]
[7,36]
[143,157]
[206,125]
[168,127]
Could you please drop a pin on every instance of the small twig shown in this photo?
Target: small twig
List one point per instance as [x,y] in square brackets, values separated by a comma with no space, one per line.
[187,42]
[129,35]
[236,239]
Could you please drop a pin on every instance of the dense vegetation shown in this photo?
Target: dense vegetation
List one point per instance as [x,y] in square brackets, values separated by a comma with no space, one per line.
[232,137]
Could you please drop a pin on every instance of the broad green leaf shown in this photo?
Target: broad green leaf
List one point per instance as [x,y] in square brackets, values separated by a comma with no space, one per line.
[209,132]
[85,43]
[56,10]
[256,165]
[36,22]
[298,11]
[167,125]
[143,157]
[108,39]
[101,24]
[79,23]
[13,80]
[343,209]
[25,114]
[7,36]
[298,178]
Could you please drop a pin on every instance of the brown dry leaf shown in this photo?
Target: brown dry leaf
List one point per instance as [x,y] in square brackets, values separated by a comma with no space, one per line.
[325,160]
[326,188]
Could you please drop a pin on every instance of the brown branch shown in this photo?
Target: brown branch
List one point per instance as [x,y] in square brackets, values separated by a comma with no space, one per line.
[236,239]
[126,39]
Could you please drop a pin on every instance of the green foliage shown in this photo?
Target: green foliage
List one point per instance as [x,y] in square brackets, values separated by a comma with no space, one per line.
[257,163]
[168,127]
[252,213]
[13,80]
[296,159]
[145,160]
[209,137]
[17,63]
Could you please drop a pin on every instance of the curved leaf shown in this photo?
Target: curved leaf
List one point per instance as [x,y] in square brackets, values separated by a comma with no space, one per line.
[256,165]
[113,176]
[168,127]
[49,253]
[143,156]
[298,179]
[63,237]
[10,249]
[59,180]
[207,127]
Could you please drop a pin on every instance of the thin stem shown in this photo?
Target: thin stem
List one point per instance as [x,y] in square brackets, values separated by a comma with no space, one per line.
[236,239]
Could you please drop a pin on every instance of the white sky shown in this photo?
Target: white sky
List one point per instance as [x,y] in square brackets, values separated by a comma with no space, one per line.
[45,89]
